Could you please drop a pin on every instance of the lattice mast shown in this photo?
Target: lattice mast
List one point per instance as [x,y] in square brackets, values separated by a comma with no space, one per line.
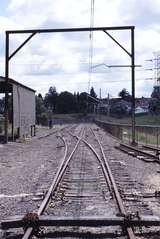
[157,68]
[90,44]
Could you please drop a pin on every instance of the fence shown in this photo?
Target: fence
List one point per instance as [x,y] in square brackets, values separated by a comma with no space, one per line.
[146,134]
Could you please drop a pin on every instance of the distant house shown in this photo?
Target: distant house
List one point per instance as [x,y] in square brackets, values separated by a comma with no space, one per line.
[140,110]
[103,106]
[121,106]
[142,102]
[142,105]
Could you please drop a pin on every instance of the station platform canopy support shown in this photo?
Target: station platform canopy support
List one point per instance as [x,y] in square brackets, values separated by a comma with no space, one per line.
[33,32]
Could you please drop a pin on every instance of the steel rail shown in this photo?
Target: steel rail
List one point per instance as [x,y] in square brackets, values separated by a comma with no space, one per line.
[141,152]
[51,133]
[115,189]
[132,153]
[99,159]
[53,186]
[29,230]
[156,149]
[107,177]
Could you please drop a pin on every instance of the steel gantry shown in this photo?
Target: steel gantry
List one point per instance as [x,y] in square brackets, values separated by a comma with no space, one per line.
[33,32]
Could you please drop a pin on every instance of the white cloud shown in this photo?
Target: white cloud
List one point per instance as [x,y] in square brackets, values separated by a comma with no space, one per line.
[65,56]
[6,23]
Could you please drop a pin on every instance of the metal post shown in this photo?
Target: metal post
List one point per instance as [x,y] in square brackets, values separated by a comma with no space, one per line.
[35,31]
[12,117]
[34,127]
[31,130]
[108,109]
[100,104]
[133,85]
[157,137]
[146,137]
[7,90]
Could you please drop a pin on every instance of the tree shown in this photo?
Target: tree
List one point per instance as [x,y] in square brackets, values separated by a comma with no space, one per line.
[2,103]
[40,95]
[154,104]
[66,103]
[41,111]
[119,109]
[156,92]
[92,93]
[51,99]
[83,102]
[124,94]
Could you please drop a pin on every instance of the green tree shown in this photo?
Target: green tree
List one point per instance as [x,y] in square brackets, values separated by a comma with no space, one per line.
[51,99]
[119,109]
[92,93]
[83,102]
[2,105]
[124,94]
[156,92]
[154,104]
[40,96]
[66,103]
[41,111]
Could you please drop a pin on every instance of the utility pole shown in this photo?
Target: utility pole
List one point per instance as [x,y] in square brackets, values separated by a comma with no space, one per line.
[100,103]
[7,90]
[108,108]
[133,86]
[157,67]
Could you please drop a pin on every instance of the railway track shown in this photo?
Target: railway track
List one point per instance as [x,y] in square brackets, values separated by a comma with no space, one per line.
[88,190]
[55,131]
[148,154]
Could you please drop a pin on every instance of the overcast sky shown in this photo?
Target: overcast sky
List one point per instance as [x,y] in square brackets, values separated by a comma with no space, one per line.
[62,60]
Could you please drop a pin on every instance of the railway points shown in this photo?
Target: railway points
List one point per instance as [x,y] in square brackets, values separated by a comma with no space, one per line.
[87,188]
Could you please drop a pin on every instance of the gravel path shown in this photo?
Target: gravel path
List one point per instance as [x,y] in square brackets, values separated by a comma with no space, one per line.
[25,169]
[145,176]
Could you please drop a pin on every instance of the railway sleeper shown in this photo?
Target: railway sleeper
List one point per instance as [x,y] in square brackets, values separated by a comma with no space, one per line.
[34,221]
[140,155]
[141,195]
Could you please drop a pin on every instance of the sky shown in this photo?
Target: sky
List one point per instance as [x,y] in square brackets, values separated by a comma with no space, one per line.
[62,59]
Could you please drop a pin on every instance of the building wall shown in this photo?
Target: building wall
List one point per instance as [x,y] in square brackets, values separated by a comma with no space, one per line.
[23,109]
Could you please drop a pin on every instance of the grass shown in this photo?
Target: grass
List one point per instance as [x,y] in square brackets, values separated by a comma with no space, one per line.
[146,119]
[146,135]
[68,116]
[141,137]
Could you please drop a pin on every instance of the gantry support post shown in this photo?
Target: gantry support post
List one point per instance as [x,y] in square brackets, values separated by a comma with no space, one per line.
[7,90]
[133,86]
[34,31]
